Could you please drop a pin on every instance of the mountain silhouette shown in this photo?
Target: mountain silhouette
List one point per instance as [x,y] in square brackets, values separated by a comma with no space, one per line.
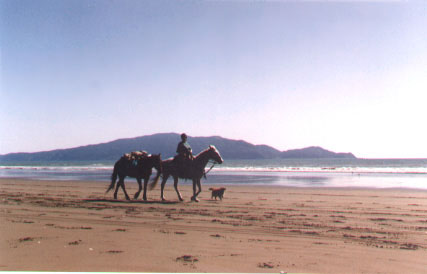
[165,143]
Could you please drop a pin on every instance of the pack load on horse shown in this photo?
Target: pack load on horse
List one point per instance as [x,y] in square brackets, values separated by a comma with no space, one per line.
[135,156]
[138,165]
[185,166]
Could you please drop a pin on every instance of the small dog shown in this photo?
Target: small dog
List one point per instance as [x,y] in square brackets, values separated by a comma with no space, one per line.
[217,192]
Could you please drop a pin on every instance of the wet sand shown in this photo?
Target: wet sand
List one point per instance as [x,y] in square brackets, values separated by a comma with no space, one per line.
[75,226]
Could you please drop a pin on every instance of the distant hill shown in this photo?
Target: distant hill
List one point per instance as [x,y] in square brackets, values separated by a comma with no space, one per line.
[165,143]
[313,153]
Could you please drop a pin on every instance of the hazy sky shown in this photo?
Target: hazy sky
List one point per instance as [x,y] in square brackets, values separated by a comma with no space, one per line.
[350,76]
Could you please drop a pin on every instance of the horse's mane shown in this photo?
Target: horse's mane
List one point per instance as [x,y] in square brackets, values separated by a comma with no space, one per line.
[204,151]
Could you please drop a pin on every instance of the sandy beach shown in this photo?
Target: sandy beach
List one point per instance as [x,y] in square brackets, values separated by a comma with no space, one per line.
[75,226]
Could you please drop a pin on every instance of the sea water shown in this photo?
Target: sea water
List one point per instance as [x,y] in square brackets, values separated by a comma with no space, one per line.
[377,173]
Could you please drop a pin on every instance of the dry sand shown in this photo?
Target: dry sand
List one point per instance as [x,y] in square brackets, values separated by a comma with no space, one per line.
[75,226]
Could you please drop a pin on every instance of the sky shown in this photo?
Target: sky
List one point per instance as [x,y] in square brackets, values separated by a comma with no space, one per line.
[349,76]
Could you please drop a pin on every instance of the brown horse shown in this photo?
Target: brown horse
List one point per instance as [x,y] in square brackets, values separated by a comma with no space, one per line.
[142,170]
[195,173]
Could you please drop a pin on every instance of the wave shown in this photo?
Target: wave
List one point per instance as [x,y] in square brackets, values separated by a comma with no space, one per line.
[250,169]
[352,170]
[58,168]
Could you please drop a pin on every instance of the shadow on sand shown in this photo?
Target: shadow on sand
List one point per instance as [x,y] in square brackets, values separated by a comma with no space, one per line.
[131,201]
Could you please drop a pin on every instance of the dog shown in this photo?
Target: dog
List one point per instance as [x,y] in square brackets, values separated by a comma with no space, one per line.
[217,192]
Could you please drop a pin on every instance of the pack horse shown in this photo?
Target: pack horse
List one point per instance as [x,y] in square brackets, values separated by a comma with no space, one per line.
[136,165]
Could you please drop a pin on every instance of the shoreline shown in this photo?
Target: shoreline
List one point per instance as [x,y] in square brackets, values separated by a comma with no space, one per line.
[75,226]
[187,183]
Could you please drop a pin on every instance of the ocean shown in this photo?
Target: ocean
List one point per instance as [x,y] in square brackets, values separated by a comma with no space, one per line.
[376,173]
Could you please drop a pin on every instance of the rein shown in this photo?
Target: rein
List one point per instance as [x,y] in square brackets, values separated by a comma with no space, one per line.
[206,172]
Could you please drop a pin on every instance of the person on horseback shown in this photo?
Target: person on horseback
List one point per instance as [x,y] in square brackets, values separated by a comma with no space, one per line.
[185,157]
[184,149]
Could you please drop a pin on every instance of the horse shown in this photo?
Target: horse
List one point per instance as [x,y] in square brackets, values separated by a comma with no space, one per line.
[142,170]
[196,172]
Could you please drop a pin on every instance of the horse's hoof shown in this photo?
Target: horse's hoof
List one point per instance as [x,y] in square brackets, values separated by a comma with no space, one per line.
[194,199]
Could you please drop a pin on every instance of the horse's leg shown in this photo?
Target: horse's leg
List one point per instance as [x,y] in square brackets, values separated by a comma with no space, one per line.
[122,184]
[175,184]
[117,187]
[145,188]
[194,197]
[199,186]
[139,188]
[162,187]
[116,190]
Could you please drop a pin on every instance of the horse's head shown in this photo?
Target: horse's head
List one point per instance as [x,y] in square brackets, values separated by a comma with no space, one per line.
[214,154]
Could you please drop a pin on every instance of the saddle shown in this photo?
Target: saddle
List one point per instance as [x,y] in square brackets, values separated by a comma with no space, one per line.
[184,165]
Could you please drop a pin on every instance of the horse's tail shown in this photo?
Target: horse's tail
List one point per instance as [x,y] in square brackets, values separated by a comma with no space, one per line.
[113,178]
[153,183]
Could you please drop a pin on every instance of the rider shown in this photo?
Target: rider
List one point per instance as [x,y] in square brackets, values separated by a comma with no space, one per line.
[185,154]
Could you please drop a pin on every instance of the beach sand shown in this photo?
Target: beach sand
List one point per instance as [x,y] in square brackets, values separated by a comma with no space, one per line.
[75,226]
